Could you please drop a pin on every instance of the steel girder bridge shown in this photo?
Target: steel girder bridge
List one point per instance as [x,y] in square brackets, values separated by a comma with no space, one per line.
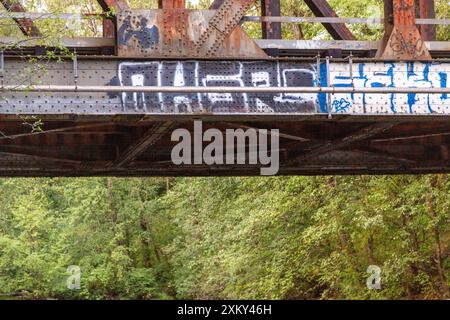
[342,106]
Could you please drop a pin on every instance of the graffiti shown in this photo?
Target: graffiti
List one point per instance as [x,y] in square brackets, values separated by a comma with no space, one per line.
[148,37]
[412,46]
[273,74]
[211,74]
[392,75]
[283,74]
[340,105]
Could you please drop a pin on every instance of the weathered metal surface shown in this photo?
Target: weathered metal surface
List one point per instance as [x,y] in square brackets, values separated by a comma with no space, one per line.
[166,73]
[234,74]
[305,48]
[114,5]
[26,25]
[108,28]
[391,74]
[315,45]
[221,25]
[139,148]
[271,30]
[109,23]
[427,11]
[171,4]
[403,40]
[216,4]
[238,30]
[185,33]
[129,133]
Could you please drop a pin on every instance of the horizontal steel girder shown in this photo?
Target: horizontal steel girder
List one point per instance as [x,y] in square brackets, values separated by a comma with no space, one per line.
[261,75]
[140,148]
[300,48]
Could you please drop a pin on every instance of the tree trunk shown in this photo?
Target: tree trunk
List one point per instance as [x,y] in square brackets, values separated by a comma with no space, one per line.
[412,267]
[430,200]
[370,250]
[112,204]
[145,244]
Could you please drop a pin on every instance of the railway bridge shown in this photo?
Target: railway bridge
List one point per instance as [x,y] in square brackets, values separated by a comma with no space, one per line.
[94,106]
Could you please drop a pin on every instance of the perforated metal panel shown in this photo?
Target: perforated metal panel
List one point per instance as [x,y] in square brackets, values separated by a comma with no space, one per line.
[225,73]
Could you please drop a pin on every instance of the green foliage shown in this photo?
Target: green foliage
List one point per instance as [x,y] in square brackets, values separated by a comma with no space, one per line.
[110,230]
[228,238]
[313,238]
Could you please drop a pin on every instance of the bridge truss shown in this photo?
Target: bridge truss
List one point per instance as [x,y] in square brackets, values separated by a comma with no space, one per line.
[342,106]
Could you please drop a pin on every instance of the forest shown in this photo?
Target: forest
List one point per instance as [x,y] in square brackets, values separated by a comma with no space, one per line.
[227,238]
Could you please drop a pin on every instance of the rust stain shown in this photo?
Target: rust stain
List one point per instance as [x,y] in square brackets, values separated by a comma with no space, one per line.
[404,42]
[175,33]
[171,4]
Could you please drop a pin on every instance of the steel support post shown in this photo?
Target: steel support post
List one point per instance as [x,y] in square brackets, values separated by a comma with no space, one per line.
[402,40]
[427,11]
[171,4]
[269,8]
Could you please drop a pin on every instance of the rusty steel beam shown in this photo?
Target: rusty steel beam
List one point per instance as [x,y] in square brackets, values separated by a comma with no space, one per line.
[153,135]
[175,32]
[427,11]
[360,135]
[109,29]
[109,24]
[115,5]
[402,39]
[281,135]
[388,6]
[171,4]
[412,137]
[339,147]
[216,4]
[375,153]
[338,31]
[26,25]
[36,157]
[224,30]
[57,130]
[271,30]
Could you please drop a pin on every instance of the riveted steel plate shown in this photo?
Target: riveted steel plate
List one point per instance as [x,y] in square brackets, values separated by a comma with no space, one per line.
[176,33]
[225,73]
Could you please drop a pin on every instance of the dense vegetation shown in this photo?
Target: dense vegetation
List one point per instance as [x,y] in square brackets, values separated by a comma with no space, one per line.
[283,237]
